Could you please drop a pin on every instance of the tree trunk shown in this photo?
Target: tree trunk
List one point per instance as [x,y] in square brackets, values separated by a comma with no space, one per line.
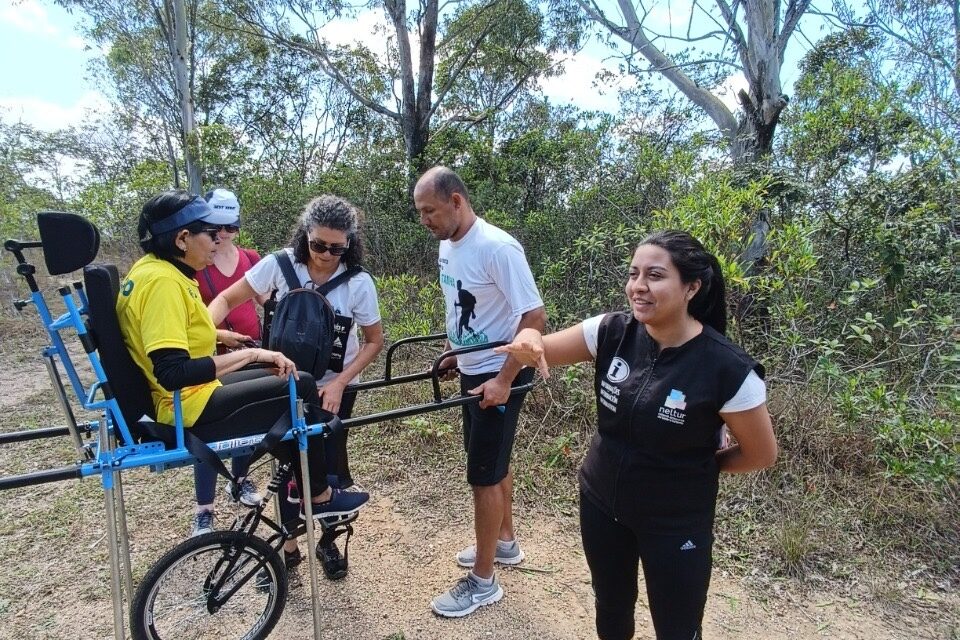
[179,49]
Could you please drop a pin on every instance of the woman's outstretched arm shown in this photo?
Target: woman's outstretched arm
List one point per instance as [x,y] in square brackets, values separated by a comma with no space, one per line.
[564,347]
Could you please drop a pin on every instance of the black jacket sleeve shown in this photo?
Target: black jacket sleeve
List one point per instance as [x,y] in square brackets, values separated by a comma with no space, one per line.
[175,369]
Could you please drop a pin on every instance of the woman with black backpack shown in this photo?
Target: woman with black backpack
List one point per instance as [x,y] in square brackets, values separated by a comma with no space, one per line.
[322,268]
[171,337]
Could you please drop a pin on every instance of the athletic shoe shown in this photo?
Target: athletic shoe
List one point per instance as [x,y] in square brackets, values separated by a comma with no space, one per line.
[508,553]
[202,523]
[333,563]
[341,503]
[249,497]
[465,597]
[293,491]
[292,558]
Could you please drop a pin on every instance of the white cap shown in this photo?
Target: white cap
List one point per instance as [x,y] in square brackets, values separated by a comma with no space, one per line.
[224,201]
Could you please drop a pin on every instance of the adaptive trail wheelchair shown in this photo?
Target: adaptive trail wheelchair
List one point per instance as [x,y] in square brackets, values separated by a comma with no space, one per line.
[225,584]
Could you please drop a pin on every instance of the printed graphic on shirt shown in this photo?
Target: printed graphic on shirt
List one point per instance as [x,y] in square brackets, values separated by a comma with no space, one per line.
[617,372]
[673,407]
[609,395]
[688,546]
[466,304]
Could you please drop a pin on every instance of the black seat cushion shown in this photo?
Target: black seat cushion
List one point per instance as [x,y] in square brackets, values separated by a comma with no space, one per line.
[126,381]
[70,241]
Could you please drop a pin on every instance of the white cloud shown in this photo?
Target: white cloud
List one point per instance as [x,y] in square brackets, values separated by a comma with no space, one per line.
[50,116]
[728,89]
[577,84]
[28,16]
[369,27]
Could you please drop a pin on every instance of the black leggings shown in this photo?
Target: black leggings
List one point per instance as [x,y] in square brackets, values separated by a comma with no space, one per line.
[336,456]
[676,569]
[253,400]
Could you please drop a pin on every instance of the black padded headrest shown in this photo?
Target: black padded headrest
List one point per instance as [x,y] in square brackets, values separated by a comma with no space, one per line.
[126,381]
[70,241]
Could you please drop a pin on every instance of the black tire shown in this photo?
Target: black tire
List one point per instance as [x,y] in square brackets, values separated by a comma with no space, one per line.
[172,601]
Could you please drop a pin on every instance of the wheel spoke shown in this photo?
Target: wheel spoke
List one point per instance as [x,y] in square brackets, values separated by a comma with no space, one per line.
[173,600]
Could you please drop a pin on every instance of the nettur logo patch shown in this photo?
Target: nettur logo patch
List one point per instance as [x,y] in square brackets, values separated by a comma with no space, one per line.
[673,409]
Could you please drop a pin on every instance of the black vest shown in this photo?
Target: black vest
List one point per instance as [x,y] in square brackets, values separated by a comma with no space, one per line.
[652,463]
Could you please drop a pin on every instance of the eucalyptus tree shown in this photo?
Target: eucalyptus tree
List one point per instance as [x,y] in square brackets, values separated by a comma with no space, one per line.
[420,68]
[151,63]
[211,95]
[711,42]
[704,46]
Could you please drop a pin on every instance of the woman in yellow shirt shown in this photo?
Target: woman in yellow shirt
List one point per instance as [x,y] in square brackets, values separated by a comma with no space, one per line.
[172,338]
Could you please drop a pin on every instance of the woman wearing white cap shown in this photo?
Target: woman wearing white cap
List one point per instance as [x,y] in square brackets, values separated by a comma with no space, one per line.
[229,264]
[171,337]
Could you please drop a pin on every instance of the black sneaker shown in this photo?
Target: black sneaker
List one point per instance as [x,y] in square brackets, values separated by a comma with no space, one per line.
[342,505]
[292,558]
[333,563]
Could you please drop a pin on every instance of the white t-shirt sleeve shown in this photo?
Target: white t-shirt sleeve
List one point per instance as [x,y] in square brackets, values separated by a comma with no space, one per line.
[509,269]
[752,394]
[365,308]
[591,331]
[264,276]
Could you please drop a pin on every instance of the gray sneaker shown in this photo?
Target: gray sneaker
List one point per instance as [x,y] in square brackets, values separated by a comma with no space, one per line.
[249,496]
[466,597]
[507,553]
[202,523]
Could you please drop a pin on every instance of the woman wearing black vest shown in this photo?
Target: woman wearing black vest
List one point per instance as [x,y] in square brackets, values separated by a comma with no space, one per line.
[667,380]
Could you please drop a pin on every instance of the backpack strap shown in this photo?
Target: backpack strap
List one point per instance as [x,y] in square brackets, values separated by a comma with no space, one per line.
[286,267]
[333,283]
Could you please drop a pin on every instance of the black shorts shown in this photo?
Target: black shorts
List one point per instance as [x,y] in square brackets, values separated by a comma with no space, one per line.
[488,433]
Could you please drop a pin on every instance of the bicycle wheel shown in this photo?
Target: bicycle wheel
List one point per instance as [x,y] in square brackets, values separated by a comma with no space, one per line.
[209,587]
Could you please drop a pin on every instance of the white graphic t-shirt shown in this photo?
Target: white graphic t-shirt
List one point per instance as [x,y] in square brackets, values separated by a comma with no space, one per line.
[356,298]
[487,285]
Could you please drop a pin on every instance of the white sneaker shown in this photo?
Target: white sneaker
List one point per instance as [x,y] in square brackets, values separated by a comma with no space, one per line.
[508,553]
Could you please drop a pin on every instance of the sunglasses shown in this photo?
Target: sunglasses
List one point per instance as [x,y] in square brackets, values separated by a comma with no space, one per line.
[319,247]
[213,232]
[230,228]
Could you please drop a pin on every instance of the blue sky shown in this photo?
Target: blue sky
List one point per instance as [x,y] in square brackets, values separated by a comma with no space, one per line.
[46,81]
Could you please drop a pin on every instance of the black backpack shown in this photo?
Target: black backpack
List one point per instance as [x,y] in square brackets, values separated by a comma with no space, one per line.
[302,325]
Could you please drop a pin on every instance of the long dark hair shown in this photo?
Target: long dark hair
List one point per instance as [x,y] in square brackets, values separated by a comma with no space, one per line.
[159,207]
[334,213]
[709,305]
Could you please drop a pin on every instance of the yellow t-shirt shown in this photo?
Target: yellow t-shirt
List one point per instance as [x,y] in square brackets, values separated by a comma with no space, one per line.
[160,308]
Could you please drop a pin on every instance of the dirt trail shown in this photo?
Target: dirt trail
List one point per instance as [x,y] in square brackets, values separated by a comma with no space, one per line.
[55,585]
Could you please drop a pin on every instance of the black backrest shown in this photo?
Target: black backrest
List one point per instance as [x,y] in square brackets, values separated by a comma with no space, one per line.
[126,381]
[70,241]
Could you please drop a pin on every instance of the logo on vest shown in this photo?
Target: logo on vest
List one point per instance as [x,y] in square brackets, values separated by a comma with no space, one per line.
[609,393]
[618,371]
[673,407]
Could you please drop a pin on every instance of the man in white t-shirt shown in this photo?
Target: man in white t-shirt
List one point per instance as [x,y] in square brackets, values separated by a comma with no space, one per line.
[489,294]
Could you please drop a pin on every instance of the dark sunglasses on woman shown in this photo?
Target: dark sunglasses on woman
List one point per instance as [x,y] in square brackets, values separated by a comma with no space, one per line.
[319,247]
